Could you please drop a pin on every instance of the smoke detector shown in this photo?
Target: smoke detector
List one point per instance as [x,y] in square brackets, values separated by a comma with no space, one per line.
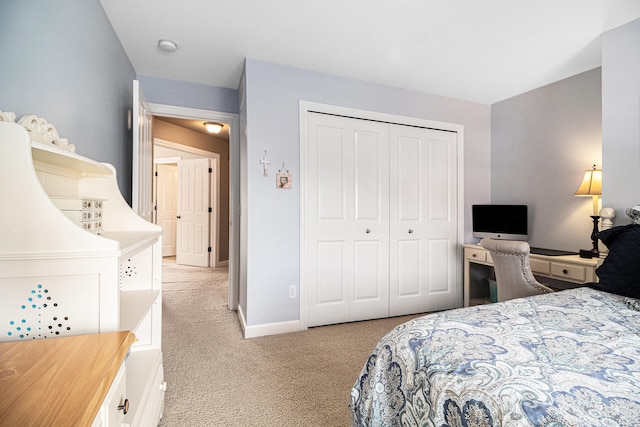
[167,46]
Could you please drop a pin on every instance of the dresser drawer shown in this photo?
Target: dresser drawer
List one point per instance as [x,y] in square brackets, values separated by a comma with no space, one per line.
[569,272]
[476,254]
[540,267]
[111,412]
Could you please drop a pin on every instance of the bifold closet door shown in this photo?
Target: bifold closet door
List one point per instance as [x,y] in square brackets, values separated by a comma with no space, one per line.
[423,220]
[347,219]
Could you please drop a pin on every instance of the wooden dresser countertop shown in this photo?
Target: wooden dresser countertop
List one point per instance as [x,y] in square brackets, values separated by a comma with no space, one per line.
[59,381]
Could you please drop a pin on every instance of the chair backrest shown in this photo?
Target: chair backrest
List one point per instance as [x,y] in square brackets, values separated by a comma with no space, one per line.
[514,277]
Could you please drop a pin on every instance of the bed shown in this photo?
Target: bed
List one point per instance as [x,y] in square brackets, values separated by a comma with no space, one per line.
[570,358]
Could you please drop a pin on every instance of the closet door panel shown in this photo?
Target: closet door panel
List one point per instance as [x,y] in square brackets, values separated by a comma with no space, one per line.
[422,212]
[369,189]
[409,266]
[329,255]
[442,290]
[347,219]
[441,228]
[370,295]
[408,179]
[439,263]
[330,173]
[330,273]
[439,180]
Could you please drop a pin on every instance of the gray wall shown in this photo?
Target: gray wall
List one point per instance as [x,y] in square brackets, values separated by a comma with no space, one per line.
[541,143]
[272,218]
[189,95]
[621,118]
[62,61]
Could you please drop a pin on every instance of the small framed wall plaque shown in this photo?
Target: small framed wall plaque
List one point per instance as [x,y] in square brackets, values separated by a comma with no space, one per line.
[283,180]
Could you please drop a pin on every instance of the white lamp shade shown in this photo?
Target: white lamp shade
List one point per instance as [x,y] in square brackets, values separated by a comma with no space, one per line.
[591,186]
[591,183]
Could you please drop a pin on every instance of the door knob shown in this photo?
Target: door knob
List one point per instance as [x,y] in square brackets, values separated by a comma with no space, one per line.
[124,407]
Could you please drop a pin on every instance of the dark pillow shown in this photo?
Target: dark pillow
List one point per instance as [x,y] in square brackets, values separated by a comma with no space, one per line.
[620,270]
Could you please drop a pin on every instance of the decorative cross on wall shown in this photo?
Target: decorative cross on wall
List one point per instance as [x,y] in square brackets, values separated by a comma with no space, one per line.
[265,164]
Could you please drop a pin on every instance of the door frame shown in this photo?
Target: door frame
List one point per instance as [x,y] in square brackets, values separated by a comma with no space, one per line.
[306,107]
[234,181]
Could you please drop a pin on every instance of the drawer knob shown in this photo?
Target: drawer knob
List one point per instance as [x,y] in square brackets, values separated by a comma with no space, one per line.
[565,271]
[474,255]
[367,231]
[410,231]
[124,407]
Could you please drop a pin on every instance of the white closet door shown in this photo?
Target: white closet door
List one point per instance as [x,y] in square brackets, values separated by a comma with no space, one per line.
[193,213]
[423,220]
[347,215]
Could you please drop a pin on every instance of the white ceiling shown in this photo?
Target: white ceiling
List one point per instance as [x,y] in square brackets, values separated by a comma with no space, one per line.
[477,50]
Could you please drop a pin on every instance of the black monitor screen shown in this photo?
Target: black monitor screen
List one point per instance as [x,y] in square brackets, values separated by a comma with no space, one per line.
[506,220]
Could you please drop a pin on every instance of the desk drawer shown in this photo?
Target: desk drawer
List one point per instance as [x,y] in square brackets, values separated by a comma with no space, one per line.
[540,267]
[476,254]
[569,272]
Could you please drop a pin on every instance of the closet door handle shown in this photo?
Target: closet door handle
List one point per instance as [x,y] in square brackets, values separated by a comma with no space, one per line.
[367,231]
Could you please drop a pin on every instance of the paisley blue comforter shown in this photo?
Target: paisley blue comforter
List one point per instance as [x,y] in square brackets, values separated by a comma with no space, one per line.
[570,358]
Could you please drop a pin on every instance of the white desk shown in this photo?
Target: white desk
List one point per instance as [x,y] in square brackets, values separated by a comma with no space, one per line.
[569,269]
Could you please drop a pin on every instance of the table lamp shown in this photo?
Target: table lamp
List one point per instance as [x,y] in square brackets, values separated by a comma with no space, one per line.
[591,186]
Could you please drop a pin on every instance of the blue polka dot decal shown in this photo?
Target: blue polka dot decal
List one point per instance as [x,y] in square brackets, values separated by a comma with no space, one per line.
[40,317]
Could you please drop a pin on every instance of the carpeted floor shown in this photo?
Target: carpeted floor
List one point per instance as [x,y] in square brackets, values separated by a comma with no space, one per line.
[217,378]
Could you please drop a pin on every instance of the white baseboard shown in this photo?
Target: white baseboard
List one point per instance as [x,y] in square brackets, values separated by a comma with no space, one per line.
[254,331]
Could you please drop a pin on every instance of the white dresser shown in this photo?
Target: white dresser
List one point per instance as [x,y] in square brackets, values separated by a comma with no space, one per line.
[75,259]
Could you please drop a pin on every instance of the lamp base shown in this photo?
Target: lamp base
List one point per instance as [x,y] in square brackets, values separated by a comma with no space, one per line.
[586,253]
[594,237]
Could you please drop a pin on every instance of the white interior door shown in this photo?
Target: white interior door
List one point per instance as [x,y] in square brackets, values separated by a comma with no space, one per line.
[423,220]
[193,212]
[166,205]
[347,254]
[142,167]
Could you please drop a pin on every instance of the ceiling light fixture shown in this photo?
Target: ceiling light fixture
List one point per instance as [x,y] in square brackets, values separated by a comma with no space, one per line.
[167,46]
[213,127]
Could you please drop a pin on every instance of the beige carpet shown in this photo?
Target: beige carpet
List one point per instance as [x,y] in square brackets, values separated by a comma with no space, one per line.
[217,378]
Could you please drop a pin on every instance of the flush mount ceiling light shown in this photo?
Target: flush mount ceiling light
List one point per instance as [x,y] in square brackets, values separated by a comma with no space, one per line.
[167,46]
[213,127]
